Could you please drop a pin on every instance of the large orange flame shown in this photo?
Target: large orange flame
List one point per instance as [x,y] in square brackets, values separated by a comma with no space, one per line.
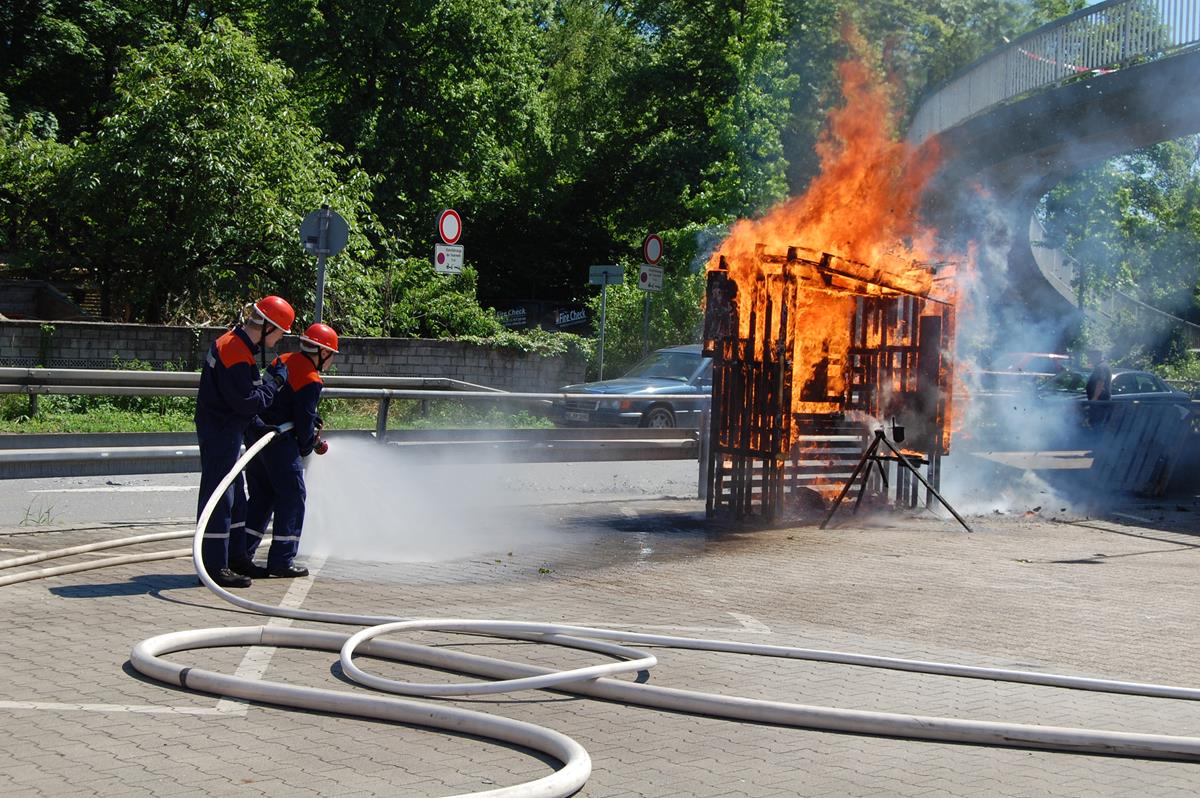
[863,205]
[863,208]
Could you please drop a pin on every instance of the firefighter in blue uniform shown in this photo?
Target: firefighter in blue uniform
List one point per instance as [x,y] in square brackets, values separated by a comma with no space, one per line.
[276,477]
[232,392]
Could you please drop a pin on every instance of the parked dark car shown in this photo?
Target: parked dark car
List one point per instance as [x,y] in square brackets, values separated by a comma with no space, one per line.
[670,371]
[1013,372]
[1128,385]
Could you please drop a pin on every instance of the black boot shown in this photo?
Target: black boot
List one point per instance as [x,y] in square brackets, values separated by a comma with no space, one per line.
[248,568]
[227,578]
[289,571]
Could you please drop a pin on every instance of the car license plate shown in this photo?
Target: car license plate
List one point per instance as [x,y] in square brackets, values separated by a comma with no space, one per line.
[576,416]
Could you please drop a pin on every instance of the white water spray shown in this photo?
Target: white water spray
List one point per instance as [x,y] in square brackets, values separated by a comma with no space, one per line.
[372,503]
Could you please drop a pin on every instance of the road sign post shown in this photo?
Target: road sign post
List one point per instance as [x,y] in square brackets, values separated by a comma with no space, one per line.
[646,324]
[603,321]
[602,276]
[649,279]
[322,233]
[448,255]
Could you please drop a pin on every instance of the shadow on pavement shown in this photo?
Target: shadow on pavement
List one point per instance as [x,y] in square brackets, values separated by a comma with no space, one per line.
[137,586]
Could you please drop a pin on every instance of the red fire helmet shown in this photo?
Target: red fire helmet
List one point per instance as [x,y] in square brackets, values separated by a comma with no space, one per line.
[277,311]
[321,335]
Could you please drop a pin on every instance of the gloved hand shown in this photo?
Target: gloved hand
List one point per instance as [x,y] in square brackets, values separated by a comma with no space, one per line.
[320,425]
[277,373]
[255,430]
[321,446]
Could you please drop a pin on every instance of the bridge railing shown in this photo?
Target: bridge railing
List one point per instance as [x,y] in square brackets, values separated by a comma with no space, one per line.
[1092,41]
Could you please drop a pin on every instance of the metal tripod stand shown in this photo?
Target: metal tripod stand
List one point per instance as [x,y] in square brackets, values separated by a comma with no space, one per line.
[872,457]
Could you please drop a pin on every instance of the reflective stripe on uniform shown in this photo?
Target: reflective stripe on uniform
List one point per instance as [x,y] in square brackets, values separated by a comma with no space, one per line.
[210,360]
[239,523]
[254,533]
[285,537]
[219,536]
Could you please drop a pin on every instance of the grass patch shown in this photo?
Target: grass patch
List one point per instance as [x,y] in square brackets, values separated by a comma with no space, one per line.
[427,414]
[79,414]
[96,414]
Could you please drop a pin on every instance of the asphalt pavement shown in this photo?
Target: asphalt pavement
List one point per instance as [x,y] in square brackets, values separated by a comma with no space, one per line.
[1108,593]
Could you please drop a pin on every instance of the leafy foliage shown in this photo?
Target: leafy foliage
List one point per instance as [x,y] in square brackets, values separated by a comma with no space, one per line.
[674,315]
[164,153]
[1133,225]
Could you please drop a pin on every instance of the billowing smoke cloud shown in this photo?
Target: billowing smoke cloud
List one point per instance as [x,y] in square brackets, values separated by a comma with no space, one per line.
[998,166]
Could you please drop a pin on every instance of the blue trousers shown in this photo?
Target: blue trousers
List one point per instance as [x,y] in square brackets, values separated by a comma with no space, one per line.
[276,482]
[220,447]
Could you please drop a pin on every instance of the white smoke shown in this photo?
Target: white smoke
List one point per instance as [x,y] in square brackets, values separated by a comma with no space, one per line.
[995,317]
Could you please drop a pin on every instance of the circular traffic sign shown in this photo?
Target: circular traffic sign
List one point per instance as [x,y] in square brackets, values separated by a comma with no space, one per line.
[324,232]
[652,249]
[449,226]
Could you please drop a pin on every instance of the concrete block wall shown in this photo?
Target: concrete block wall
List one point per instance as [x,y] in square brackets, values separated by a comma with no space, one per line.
[95,344]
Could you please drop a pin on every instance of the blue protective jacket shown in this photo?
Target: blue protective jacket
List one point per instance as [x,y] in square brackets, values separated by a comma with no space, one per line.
[297,400]
[232,391]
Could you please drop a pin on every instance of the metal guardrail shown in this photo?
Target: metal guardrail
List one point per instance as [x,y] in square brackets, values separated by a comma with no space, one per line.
[1090,42]
[186,383]
[117,382]
[57,455]
[31,456]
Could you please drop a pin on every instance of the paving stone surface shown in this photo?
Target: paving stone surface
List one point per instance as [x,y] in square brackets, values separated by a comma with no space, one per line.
[1109,596]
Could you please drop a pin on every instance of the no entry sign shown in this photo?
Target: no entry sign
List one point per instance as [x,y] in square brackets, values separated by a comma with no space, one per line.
[652,249]
[449,226]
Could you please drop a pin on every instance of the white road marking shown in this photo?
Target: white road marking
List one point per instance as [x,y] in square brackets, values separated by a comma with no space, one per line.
[149,709]
[749,624]
[122,489]
[253,665]
[257,659]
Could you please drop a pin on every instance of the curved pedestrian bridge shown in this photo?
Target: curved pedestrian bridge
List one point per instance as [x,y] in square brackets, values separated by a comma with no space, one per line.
[1105,80]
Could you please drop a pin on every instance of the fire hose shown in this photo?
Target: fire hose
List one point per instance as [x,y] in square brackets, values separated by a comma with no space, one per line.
[148,657]
[128,559]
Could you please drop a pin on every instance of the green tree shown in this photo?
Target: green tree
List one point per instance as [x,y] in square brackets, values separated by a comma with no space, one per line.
[429,305]
[714,98]
[813,47]
[60,58]
[675,313]
[35,220]
[439,100]
[188,198]
[564,131]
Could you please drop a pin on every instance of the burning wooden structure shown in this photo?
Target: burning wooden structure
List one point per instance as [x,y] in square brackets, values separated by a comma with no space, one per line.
[812,354]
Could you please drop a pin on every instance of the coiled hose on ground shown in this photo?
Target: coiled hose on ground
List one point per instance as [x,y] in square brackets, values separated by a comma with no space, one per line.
[148,657]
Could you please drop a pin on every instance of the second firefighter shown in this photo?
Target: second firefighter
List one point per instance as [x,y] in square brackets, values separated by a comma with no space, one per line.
[275,479]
